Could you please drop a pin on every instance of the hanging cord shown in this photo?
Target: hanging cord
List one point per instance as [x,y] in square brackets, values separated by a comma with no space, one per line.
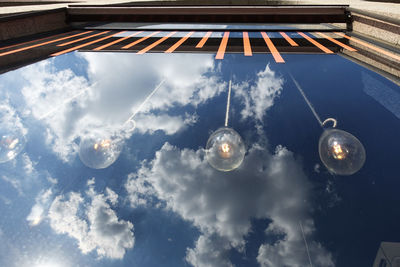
[307,101]
[334,121]
[305,242]
[66,101]
[130,120]
[228,102]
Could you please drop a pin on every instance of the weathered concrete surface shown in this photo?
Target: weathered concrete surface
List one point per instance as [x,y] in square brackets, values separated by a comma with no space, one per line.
[386,32]
[63,3]
[29,25]
[388,9]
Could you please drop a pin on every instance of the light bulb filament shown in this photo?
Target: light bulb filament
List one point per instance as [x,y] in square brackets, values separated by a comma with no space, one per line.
[225,148]
[339,152]
[105,143]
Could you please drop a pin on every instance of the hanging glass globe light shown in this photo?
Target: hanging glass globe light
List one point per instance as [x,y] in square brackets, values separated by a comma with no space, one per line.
[341,152]
[225,149]
[11,144]
[97,152]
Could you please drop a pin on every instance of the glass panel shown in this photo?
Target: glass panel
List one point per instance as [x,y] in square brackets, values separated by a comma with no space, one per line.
[205,26]
[160,203]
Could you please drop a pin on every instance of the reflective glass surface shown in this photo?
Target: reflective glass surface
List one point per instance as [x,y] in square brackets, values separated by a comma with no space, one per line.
[208,26]
[158,202]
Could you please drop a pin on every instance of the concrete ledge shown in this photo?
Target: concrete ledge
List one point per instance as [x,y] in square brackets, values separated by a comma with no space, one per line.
[16,26]
[384,30]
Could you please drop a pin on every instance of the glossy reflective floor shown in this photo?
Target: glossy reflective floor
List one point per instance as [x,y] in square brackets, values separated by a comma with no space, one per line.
[160,203]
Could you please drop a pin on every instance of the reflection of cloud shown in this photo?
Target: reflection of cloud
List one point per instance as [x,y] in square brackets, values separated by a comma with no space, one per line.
[48,87]
[116,86]
[169,124]
[99,230]
[290,251]
[209,251]
[258,98]
[14,183]
[332,194]
[20,173]
[28,164]
[222,205]
[139,189]
[12,133]
[41,203]
[124,81]
[46,92]
[10,121]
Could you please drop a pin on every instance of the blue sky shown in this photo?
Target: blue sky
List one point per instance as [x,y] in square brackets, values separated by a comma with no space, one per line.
[161,203]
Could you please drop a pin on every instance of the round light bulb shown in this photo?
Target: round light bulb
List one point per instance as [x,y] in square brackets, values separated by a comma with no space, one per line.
[225,149]
[97,152]
[341,152]
[11,144]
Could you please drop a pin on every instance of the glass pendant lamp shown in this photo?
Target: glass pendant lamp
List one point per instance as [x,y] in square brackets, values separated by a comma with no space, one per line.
[99,150]
[225,149]
[341,152]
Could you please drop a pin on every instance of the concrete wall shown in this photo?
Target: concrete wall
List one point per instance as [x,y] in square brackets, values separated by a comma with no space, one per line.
[23,25]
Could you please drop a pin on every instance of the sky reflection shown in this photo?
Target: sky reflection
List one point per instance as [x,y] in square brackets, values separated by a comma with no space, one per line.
[160,202]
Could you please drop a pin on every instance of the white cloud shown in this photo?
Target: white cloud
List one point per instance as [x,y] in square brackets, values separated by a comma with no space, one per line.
[9,118]
[259,97]
[290,251]
[139,189]
[169,124]
[52,180]
[48,88]
[48,95]
[37,213]
[63,215]
[72,106]
[124,81]
[20,173]
[111,196]
[222,205]
[96,227]
[14,182]
[209,251]
[12,132]
[332,194]
[28,164]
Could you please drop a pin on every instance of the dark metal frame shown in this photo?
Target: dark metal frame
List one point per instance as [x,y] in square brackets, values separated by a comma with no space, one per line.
[211,14]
